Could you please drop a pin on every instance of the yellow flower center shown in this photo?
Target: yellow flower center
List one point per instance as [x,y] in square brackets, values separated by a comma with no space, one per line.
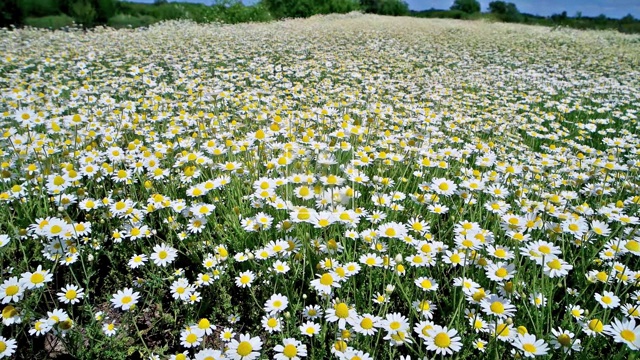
[342,310]
[426,283]
[37,278]
[191,338]
[596,325]
[304,214]
[326,279]
[70,294]
[634,311]
[12,290]
[9,312]
[478,295]
[497,307]
[244,348]
[633,246]
[58,180]
[554,264]
[290,351]
[467,243]
[366,323]
[628,335]
[530,348]
[442,340]
[502,330]
[564,340]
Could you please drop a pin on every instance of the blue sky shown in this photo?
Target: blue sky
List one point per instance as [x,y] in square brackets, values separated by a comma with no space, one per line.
[611,8]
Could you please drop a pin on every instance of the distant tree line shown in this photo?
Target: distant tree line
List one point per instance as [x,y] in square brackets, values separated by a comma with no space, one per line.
[508,12]
[59,13]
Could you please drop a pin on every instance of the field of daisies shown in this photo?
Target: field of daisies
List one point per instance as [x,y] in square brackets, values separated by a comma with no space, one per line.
[341,187]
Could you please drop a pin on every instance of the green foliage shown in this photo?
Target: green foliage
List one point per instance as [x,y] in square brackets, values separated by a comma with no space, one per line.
[121,21]
[38,8]
[238,13]
[507,12]
[394,8]
[84,13]
[10,13]
[337,6]
[230,12]
[443,14]
[304,8]
[105,10]
[467,6]
[130,14]
[50,22]
[385,7]
[289,8]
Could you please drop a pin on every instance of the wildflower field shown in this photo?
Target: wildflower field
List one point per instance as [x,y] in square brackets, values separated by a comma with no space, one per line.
[348,187]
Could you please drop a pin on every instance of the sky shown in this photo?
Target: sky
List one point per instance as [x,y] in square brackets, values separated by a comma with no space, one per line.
[611,8]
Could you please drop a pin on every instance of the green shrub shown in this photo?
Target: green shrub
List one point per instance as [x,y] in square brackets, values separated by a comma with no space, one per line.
[256,13]
[84,13]
[239,13]
[444,14]
[337,6]
[10,13]
[467,6]
[49,22]
[39,8]
[166,11]
[105,9]
[121,21]
[385,7]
